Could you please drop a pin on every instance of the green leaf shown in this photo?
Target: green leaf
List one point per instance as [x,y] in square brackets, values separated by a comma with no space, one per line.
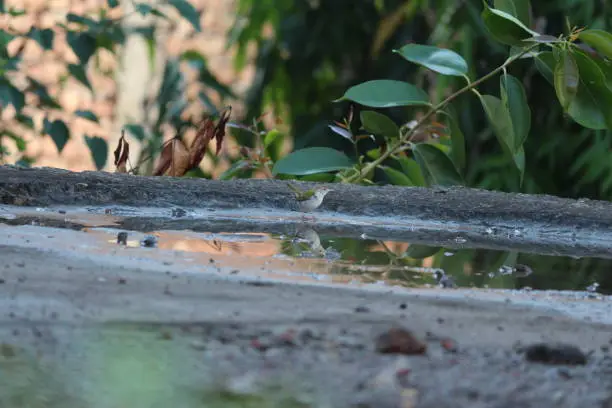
[83,20]
[437,168]
[234,170]
[87,114]
[98,149]
[521,9]
[504,27]
[412,170]
[78,72]
[137,131]
[440,60]
[25,120]
[83,45]
[112,3]
[592,106]
[545,63]
[457,142]
[20,143]
[379,124]
[566,79]
[41,91]
[43,37]
[421,251]
[396,177]
[386,93]
[143,8]
[599,39]
[312,160]
[58,131]
[514,96]
[271,137]
[5,39]
[499,117]
[188,12]
[10,95]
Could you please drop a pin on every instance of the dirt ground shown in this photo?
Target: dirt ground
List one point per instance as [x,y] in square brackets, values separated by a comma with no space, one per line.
[120,330]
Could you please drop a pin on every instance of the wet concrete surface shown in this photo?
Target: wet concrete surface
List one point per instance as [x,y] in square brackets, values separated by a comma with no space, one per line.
[87,322]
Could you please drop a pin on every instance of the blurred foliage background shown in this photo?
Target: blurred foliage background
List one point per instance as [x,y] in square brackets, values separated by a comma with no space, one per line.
[310,52]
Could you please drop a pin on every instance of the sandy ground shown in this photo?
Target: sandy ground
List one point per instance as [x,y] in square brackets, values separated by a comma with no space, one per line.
[240,338]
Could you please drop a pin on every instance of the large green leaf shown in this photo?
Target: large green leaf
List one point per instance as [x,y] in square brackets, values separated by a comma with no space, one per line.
[98,149]
[513,95]
[599,39]
[592,106]
[78,72]
[384,93]
[40,90]
[499,116]
[440,60]
[437,168]
[504,27]
[312,160]
[412,170]
[10,95]
[396,177]
[87,114]
[58,131]
[566,79]
[379,124]
[521,9]
[83,45]
[188,12]
[545,63]
[457,140]
[44,37]
[137,131]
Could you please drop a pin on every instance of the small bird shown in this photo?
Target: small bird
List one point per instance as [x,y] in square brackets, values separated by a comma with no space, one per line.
[309,200]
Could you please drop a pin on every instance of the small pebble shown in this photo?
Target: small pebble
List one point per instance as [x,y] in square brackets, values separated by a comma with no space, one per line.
[559,354]
[122,238]
[399,341]
[150,241]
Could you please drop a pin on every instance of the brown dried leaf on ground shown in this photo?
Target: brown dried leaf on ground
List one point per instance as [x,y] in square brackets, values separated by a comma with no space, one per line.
[174,159]
[121,154]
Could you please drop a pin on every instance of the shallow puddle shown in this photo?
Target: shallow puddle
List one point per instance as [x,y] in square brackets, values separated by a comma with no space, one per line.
[299,250]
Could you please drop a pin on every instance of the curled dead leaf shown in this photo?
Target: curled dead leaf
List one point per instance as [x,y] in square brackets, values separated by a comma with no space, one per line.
[174,159]
[121,154]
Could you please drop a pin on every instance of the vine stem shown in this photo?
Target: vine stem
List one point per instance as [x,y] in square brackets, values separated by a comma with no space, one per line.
[395,147]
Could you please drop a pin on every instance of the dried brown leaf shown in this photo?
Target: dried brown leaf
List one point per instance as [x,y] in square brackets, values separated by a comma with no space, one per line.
[174,159]
[220,128]
[197,150]
[121,154]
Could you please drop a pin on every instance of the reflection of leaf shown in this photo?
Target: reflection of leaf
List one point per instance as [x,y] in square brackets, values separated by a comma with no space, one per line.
[121,154]
[421,251]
